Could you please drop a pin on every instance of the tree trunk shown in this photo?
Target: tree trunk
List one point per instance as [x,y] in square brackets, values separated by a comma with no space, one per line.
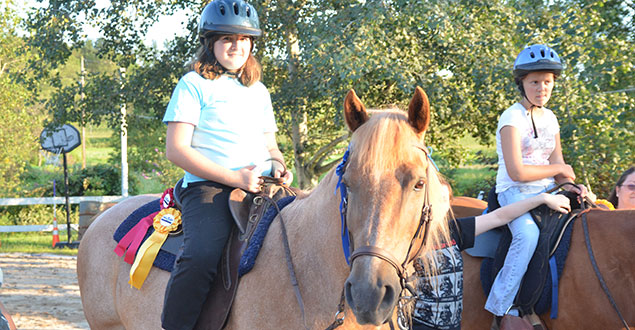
[299,118]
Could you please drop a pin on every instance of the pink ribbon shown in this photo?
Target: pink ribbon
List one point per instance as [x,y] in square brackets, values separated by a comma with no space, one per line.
[132,240]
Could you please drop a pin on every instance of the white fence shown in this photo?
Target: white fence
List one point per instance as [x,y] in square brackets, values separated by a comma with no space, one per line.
[50,201]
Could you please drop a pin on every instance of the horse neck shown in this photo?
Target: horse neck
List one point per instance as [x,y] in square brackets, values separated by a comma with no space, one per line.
[316,220]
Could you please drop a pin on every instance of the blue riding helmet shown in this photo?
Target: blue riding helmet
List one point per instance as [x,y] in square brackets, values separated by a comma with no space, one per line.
[229,17]
[537,58]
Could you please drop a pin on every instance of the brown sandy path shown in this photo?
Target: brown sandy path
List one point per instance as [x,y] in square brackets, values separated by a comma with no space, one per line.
[41,292]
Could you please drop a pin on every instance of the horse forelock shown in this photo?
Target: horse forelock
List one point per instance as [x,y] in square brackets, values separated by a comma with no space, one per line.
[385,143]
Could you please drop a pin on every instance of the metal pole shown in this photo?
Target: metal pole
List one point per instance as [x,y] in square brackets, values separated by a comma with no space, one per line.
[81,82]
[68,205]
[124,140]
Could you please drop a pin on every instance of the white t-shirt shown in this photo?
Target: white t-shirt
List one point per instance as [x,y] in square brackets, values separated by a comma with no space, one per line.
[535,151]
[230,120]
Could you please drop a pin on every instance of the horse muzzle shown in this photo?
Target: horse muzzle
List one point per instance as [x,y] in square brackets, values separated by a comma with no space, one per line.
[372,290]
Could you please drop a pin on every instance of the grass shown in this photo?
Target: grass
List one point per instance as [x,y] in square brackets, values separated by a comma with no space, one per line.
[34,242]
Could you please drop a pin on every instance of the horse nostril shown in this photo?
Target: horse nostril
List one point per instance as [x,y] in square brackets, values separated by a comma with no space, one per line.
[349,294]
[388,300]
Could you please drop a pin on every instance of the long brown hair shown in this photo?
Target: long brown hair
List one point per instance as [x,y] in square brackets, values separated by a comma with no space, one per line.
[208,67]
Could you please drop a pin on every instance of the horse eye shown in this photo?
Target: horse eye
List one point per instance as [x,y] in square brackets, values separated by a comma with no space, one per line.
[419,185]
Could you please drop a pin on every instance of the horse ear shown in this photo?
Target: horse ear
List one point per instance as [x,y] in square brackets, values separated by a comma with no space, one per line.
[419,111]
[354,111]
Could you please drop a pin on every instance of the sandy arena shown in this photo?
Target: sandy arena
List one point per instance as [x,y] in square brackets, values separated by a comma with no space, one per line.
[41,292]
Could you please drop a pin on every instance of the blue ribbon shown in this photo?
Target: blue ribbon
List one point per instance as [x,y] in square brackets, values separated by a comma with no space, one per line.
[339,171]
[432,160]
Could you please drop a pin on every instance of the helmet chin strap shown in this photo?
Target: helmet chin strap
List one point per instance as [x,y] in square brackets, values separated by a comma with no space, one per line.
[531,113]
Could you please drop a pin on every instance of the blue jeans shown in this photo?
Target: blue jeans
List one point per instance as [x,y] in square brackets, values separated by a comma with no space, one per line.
[525,234]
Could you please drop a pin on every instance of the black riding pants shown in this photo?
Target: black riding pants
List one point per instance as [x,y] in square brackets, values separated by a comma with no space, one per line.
[207,224]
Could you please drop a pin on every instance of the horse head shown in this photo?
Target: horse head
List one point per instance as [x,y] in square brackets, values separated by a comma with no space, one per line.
[394,206]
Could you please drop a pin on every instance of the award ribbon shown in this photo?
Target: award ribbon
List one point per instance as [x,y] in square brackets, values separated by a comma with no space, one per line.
[166,221]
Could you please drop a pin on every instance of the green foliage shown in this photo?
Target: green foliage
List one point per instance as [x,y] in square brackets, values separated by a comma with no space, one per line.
[20,118]
[313,51]
[98,180]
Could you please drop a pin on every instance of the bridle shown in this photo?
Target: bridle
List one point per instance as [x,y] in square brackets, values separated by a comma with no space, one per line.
[416,243]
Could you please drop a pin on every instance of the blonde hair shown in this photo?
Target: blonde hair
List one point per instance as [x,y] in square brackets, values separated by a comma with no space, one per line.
[208,67]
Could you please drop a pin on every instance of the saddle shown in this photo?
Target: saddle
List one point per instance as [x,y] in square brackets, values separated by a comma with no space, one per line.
[552,225]
[247,210]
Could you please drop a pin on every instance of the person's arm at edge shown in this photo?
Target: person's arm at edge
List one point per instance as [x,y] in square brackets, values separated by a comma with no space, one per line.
[505,214]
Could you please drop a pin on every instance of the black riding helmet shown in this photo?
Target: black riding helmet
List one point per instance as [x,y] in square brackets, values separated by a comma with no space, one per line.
[228,17]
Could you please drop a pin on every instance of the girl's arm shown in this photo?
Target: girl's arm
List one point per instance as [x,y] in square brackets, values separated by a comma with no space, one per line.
[278,170]
[179,151]
[556,158]
[505,214]
[510,143]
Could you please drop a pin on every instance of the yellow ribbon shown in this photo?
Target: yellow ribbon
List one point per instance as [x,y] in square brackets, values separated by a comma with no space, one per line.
[166,221]
[605,203]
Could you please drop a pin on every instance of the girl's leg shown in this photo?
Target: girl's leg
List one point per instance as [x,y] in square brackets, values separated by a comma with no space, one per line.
[524,239]
[207,224]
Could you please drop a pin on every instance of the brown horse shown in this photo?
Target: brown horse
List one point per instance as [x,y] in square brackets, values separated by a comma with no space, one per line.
[389,181]
[582,302]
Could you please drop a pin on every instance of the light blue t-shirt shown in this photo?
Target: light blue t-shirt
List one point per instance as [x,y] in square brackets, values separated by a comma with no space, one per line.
[230,120]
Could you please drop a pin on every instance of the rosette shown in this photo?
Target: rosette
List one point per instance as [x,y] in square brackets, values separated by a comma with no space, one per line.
[166,221]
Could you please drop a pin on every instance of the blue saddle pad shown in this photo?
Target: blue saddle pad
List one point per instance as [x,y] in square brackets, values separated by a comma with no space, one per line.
[164,260]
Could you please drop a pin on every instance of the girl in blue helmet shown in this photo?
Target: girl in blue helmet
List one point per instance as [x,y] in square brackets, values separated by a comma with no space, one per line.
[529,162]
[221,132]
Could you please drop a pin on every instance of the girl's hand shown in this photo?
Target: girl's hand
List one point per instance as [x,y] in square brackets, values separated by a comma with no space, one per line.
[579,189]
[558,203]
[248,179]
[279,171]
[567,172]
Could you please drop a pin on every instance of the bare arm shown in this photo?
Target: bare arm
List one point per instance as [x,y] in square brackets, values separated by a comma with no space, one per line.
[179,151]
[556,158]
[278,169]
[505,214]
[510,143]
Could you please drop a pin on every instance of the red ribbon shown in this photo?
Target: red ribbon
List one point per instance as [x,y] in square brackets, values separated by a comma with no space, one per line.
[132,240]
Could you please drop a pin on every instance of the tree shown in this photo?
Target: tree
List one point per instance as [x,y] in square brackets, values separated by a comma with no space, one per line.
[20,118]
[461,52]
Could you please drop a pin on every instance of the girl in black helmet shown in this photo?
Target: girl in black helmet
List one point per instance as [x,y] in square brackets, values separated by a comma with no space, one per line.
[529,162]
[221,132]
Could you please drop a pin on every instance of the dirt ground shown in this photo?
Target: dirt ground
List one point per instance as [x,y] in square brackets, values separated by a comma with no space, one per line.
[41,292]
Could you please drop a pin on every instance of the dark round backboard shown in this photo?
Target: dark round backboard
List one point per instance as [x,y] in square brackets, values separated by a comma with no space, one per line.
[60,139]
